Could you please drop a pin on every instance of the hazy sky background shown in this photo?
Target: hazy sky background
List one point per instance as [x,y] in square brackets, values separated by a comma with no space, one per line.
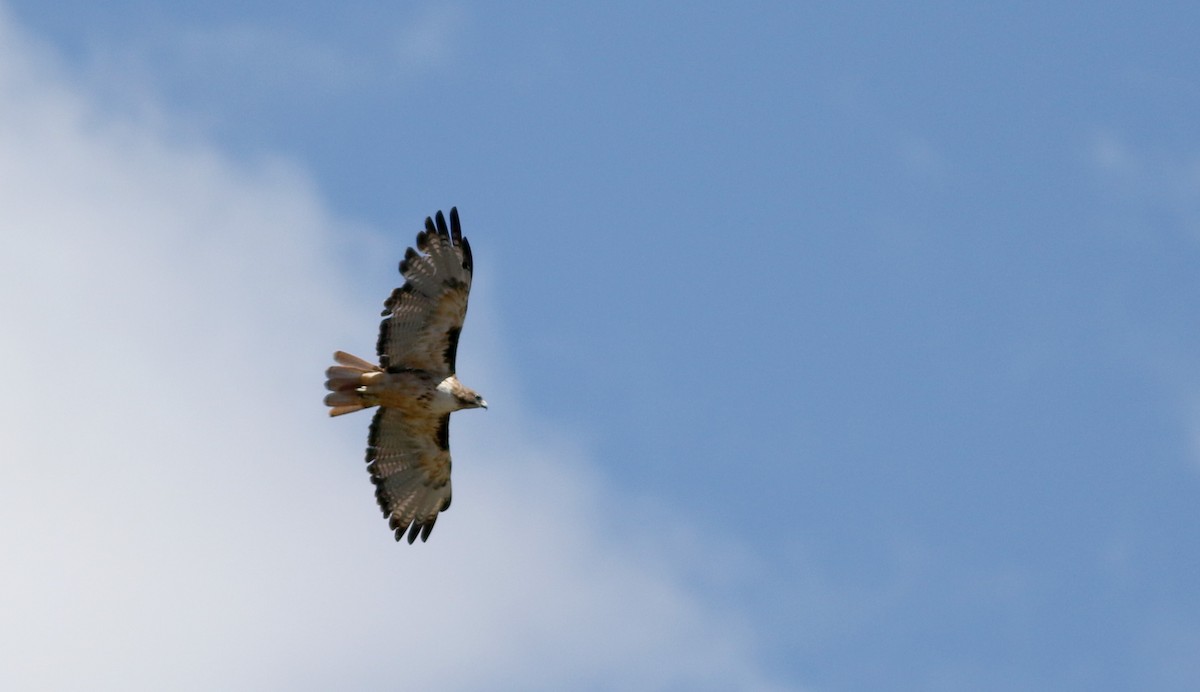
[846,348]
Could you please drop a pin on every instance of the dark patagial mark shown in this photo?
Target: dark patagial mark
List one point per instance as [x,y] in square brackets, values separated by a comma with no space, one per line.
[451,353]
[443,434]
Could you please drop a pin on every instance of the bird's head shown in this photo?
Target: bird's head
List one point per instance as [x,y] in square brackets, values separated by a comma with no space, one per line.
[464,396]
[455,396]
[472,400]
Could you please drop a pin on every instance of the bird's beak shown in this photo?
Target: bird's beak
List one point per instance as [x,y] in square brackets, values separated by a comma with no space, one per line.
[483,404]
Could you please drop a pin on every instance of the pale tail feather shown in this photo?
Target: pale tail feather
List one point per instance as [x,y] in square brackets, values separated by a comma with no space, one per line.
[339,378]
[354,361]
[343,382]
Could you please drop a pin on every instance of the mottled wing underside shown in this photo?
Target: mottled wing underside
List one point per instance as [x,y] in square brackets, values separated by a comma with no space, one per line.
[409,461]
[424,317]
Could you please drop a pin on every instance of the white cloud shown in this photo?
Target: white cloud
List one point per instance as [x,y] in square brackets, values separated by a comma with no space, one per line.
[178,513]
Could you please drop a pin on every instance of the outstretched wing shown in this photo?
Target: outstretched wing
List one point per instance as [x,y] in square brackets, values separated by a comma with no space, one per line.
[425,316]
[409,461]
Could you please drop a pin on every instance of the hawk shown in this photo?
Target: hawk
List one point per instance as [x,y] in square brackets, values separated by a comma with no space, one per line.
[414,385]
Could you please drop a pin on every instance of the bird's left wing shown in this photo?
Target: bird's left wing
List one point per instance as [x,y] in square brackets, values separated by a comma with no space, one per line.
[409,461]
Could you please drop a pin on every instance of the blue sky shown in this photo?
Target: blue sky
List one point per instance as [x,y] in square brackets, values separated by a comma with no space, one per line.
[857,344]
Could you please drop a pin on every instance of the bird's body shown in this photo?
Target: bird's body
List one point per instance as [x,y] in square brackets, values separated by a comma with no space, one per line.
[413,392]
[414,385]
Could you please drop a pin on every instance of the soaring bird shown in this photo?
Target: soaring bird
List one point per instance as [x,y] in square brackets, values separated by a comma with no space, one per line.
[414,385]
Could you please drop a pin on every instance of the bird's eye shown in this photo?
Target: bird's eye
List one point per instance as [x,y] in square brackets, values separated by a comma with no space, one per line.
[478,398]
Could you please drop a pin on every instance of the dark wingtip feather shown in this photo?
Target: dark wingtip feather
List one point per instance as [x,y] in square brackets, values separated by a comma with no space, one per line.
[455,226]
[468,260]
[413,531]
[409,255]
[424,236]
[441,225]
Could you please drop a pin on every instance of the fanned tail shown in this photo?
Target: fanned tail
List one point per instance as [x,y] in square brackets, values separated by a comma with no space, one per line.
[344,381]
